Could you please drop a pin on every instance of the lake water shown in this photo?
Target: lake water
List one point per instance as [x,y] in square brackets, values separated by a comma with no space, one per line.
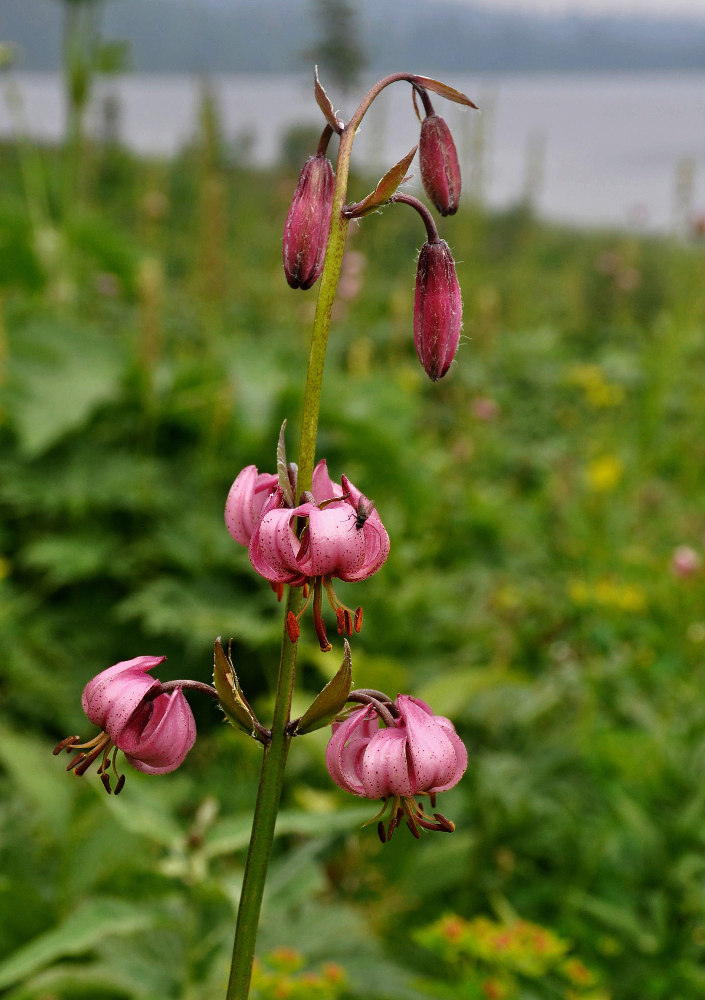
[595,149]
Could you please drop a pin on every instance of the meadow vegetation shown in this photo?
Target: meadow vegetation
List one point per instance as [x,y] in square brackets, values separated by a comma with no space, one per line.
[149,349]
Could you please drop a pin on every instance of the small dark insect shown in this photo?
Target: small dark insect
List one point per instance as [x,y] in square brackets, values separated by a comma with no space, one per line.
[364,509]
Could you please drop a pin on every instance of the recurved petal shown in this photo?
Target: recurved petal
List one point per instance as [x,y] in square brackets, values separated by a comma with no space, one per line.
[376,549]
[246,498]
[384,768]
[159,734]
[346,747]
[332,543]
[274,545]
[323,486]
[437,758]
[112,695]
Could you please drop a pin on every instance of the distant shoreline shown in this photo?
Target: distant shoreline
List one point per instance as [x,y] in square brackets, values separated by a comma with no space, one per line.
[598,149]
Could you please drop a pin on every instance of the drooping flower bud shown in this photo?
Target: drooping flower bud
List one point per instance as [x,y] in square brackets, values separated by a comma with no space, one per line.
[308,221]
[440,171]
[438,309]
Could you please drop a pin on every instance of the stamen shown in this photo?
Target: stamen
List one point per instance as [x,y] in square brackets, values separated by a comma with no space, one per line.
[394,822]
[278,589]
[292,627]
[446,824]
[410,818]
[76,760]
[66,744]
[343,615]
[380,832]
[106,783]
[92,756]
[385,803]
[120,784]
[317,618]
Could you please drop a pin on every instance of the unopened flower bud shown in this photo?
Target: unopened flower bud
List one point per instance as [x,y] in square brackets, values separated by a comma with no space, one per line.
[440,171]
[308,221]
[438,309]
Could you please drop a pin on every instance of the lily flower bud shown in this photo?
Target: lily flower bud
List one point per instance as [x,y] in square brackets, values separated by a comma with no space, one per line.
[440,171]
[438,309]
[308,222]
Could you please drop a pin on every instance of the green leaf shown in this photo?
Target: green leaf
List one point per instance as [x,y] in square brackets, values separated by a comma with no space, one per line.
[233,833]
[331,700]
[232,700]
[78,934]
[59,374]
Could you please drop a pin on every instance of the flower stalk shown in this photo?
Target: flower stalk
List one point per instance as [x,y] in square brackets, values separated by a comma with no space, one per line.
[276,751]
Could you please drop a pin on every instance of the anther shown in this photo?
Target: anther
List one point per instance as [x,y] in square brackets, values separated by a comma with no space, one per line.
[76,760]
[445,824]
[120,784]
[106,783]
[65,744]
[292,627]
[348,622]
[380,831]
[340,619]
[358,619]
[83,766]
[394,823]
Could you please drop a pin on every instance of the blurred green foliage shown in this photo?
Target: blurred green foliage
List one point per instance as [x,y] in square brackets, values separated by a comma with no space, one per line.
[149,349]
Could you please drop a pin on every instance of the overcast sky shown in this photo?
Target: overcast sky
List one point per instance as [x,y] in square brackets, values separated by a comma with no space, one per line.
[663,8]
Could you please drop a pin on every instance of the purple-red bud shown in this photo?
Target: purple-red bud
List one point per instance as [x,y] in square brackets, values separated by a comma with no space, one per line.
[308,221]
[438,309]
[440,171]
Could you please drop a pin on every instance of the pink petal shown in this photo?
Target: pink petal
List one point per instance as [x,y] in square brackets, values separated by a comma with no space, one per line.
[112,695]
[274,545]
[385,769]
[436,760]
[376,550]
[346,746]
[245,500]
[159,734]
[323,486]
[333,544]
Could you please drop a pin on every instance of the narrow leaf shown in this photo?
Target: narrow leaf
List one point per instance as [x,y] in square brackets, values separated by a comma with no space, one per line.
[331,700]
[230,696]
[283,471]
[324,103]
[384,190]
[444,90]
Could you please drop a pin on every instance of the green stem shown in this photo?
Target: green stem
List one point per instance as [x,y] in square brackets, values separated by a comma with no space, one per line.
[264,819]
[274,761]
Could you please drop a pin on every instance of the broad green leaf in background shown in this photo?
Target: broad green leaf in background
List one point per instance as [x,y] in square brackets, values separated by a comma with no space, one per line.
[78,934]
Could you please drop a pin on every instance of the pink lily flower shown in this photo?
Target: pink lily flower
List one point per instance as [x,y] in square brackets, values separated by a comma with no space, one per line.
[418,754]
[154,730]
[344,536]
